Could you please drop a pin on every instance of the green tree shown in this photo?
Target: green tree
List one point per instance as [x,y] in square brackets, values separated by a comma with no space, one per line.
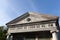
[3,33]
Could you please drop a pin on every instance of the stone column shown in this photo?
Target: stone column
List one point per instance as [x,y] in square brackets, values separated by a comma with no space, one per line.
[11,37]
[36,38]
[54,35]
[8,37]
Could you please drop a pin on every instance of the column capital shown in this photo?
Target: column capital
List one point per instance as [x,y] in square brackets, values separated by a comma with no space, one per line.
[8,33]
[54,35]
[11,37]
[52,31]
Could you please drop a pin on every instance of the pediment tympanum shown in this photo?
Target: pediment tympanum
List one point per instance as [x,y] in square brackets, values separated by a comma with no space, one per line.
[32,17]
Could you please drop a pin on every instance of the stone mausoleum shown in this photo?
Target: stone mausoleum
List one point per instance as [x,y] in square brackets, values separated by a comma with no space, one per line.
[33,26]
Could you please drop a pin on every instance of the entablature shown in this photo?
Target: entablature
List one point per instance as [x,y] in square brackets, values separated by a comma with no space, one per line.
[32,27]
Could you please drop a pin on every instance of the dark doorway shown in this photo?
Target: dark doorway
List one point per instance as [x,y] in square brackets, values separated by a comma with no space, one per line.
[42,35]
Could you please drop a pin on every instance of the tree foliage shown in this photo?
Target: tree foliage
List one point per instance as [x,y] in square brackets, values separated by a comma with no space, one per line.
[2,33]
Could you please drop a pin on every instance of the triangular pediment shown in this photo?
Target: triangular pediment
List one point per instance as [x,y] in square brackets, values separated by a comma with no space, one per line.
[32,17]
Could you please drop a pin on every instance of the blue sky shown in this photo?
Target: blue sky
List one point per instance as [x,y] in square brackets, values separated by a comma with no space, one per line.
[10,9]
